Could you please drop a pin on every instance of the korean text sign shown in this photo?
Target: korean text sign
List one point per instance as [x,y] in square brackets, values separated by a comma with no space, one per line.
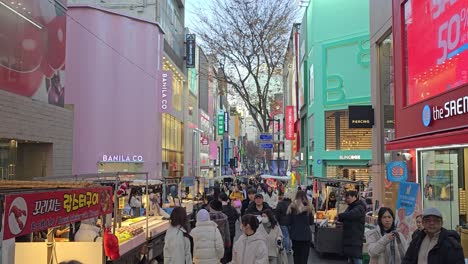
[290,122]
[30,212]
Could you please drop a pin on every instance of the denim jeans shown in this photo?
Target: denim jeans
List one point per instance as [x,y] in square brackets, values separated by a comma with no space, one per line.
[355,260]
[286,239]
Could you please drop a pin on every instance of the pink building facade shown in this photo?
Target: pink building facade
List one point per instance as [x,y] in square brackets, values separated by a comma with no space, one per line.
[113,62]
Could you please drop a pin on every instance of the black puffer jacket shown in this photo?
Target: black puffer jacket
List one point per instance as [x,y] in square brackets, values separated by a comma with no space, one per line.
[447,249]
[253,209]
[232,215]
[281,212]
[353,220]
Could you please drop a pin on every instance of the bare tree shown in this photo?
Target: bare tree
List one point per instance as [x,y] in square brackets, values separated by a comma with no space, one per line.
[248,38]
[252,152]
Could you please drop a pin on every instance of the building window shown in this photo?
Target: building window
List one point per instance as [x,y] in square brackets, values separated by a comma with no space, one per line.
[338,136]
[311,134]
[173,144]
[303,131]
[353,173]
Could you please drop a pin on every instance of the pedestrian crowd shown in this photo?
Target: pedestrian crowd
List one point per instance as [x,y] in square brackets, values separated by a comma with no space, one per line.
[274,226]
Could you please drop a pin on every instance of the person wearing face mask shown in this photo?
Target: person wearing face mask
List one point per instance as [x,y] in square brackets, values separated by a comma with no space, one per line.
[251,247]
[385,244]
[273,236]
[300,215]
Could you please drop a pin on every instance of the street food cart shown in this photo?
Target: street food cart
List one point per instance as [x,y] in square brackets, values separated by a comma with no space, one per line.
[326,234]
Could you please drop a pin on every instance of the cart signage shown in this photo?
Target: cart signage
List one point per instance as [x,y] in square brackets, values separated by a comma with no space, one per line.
[30,212]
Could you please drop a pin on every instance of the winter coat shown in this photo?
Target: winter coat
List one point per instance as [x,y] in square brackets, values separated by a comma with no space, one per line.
[300,218]
[245,205]
[272,200]
[223,225]
[379,247]
[281,212]
[447,249]
[87,233]
[253,209]
[236,196]
[271,239]
[250,249]
[208,243]
[176,246]
[353,220]
[232,216]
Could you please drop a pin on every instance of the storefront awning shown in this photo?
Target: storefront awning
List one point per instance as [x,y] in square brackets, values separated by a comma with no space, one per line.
[440,139]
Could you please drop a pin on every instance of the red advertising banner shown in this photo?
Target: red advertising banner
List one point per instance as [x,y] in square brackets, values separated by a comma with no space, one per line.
[437,47]
[289,122]
[30,212]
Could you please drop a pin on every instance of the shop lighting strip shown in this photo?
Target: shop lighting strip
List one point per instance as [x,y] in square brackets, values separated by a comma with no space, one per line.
[21,15]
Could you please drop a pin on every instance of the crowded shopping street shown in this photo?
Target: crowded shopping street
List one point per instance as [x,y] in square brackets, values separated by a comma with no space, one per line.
[233,131]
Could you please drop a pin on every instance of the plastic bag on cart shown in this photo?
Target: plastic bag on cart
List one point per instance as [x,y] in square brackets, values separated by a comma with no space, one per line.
[111,245]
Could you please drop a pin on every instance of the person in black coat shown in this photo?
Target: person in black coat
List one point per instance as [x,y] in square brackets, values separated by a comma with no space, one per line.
[353,220]
[258,206]
[447,249]
[232,215]
[250,199]
[283,220]
[300,218]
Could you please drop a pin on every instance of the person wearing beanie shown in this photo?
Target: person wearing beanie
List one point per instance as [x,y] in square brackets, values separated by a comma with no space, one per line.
[232,215]
[217,216]
[207,240]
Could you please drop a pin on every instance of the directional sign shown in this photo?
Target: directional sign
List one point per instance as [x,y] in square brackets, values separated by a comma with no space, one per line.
[266,145]
[266,137]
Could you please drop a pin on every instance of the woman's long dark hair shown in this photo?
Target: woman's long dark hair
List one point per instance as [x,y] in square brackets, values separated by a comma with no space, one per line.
[179,217]
[382,211]
[271,217]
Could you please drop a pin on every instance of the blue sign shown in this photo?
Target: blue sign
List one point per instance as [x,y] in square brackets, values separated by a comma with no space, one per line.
[397,171]
[426,115]
[266,145]
[266,137]
[407,195]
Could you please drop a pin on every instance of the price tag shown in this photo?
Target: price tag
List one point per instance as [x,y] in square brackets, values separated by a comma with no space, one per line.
[121,203]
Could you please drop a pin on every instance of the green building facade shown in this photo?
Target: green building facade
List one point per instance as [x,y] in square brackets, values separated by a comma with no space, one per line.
[336,74]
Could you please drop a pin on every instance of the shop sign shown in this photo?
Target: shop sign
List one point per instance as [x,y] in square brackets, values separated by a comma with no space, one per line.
[289,122]
[166,91]
[226,122]
[190,49]
[122,158]
[221,123]
[361,116]
[450,109]
[350,157]
[30,212]
[397,171]
[218,156]
[205,141]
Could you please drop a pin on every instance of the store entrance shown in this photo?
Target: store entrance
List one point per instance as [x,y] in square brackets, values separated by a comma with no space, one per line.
[442,175]
[353,173]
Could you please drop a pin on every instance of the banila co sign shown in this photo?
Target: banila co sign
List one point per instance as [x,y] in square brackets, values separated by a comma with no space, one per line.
[450,109]
[165,85]
[122,158]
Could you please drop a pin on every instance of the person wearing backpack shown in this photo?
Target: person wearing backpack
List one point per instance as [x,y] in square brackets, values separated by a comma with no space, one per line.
[208,243]
[178,244]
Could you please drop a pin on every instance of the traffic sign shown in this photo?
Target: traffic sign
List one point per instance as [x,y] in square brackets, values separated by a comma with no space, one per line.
[266,145]
[266,137]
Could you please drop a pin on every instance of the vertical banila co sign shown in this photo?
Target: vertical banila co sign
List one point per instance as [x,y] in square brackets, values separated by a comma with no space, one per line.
[190,50]
[290,122]
[165,90]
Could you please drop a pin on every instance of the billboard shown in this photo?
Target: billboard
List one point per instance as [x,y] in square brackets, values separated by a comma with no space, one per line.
[32,49]
[437,47]
[278,167]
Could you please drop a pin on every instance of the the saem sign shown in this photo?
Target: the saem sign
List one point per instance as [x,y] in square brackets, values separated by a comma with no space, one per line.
[165,90]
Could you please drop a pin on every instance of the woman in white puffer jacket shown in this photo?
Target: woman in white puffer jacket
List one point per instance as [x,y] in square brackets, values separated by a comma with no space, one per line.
[207,240]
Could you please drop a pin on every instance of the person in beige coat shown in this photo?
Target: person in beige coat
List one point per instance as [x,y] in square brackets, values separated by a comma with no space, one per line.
[385,245]
[251,247]
[273,235]
[208,243]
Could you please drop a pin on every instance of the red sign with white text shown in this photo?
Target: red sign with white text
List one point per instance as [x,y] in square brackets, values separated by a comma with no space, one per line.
[437,47]
[30,212]
[290,122]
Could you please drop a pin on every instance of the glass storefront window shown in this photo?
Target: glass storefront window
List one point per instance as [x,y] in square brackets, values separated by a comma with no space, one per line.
[173,142]
[442,178]
[339,137]
[354,173]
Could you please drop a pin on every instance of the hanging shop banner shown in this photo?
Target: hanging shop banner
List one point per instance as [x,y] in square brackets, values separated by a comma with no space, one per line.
[213,150]
[406,205]
[165,84]
[190,50]
[30,212]
[290,122]
[397,171]
[361,116]
[221,123]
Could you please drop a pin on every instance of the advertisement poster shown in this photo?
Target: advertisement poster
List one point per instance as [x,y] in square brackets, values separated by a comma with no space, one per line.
[290,122]
[406,207]
[30,212]
[397,171]
[278,167]
[439,185]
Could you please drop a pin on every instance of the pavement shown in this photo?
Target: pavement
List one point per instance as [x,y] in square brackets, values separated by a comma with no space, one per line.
[313,256]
